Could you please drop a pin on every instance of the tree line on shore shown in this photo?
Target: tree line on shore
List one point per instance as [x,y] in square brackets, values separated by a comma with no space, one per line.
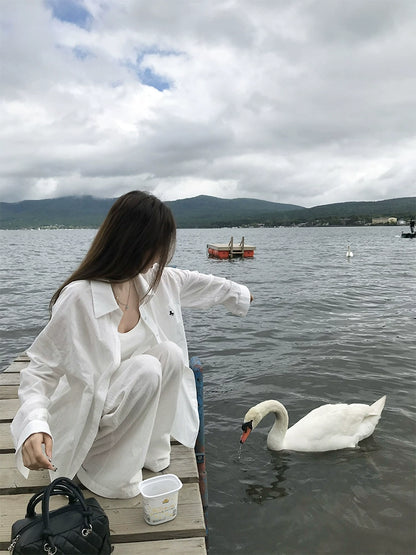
[206,212]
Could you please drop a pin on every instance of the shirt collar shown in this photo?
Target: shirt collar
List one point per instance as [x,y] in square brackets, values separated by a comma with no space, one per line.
[102,298]
[104,301]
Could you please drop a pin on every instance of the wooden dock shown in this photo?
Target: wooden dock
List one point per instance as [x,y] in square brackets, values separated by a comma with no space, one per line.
[230,250]
[130,534]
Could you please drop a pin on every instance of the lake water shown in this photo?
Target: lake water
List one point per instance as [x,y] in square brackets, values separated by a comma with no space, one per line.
[322,329]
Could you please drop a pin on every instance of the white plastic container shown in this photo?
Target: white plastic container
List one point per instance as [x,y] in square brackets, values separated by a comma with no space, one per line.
[160,498]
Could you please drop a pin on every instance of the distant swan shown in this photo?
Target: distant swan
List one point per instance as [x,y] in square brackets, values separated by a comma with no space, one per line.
[326,428]
[350,254]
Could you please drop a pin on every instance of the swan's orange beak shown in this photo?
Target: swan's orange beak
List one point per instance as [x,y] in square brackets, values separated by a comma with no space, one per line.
[246,427]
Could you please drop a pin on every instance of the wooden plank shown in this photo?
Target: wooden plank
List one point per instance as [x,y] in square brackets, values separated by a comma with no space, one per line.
[8,408]
[125,515]
[6,442]
[9,378]
[22,357]
[8,391]
[183,464]
[15,367]
[11,481]
[182,458]
[129,525]
[188,546]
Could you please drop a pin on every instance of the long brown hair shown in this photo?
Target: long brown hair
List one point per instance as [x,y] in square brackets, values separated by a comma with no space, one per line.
[137,230]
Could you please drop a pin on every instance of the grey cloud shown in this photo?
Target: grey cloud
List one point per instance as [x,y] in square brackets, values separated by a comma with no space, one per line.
[357,20]
[306,102]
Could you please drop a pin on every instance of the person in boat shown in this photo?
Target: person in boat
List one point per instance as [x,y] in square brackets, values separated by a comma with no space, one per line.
[108,381]
[412,225]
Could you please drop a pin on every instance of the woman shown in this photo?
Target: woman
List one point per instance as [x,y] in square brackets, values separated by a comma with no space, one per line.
[108,377]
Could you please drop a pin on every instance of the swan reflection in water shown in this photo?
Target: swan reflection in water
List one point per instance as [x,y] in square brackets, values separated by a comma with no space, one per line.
[314,469]
[260,493]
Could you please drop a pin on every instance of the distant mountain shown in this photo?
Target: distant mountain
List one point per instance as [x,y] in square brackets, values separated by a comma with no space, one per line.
[352,213]
[202,211]
[88,211]
[76,211]
[392,207]
[207,211]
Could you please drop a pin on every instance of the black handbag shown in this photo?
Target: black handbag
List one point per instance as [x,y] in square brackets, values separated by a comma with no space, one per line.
[80,527]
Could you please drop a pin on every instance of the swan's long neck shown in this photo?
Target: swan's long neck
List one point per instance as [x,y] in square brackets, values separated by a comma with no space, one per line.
[276,436]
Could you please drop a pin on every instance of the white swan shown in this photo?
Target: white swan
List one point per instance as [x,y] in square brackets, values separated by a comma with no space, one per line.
[326,428]
[350,254]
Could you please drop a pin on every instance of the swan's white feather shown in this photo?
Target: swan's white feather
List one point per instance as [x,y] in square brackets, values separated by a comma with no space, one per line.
[326,428]
[331,427]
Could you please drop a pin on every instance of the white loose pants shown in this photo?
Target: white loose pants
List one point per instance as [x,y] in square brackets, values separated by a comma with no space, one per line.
[135,426]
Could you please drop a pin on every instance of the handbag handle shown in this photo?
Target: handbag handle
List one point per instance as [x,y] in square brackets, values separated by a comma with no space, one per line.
[60,486]
[71,487]
[58,490]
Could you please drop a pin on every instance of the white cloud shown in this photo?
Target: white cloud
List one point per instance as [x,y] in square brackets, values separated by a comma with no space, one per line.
[307,102]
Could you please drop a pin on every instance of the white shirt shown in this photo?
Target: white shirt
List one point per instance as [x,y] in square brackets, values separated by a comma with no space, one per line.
[63,389]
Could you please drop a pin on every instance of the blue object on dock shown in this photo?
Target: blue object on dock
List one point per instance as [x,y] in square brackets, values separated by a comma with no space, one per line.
[196,367]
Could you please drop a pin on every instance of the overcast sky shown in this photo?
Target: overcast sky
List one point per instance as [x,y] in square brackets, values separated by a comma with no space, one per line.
[306,102]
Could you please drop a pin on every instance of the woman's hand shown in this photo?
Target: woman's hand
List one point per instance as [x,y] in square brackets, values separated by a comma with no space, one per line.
[34,457]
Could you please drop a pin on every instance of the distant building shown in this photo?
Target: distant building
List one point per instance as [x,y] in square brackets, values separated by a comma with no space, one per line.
[384,220]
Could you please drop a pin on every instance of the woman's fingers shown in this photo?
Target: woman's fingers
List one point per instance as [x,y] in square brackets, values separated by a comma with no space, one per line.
[34,457]
[48,445]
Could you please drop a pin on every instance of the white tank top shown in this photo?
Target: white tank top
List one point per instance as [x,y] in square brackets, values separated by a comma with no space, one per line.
[136,341]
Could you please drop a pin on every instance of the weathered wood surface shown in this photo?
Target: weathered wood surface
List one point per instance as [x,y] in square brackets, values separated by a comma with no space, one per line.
[11,480]
[16,366]
[130,534]
[126,517]
[187,546]
[8,408]
[7,379]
